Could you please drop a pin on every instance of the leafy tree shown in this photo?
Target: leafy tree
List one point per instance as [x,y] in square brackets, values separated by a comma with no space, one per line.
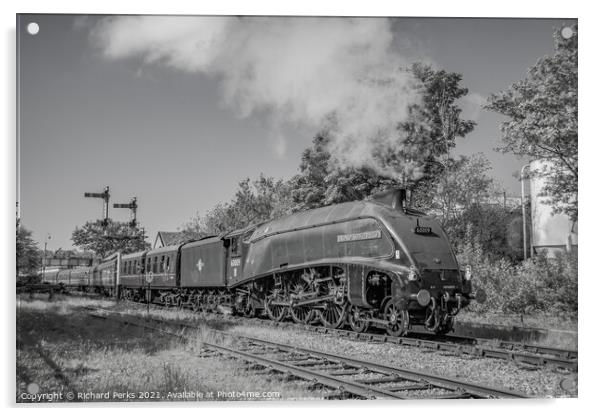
[28,254]
[542,111]
[425,137]
[254,202]
[464,182]
[118,236]
[466,197]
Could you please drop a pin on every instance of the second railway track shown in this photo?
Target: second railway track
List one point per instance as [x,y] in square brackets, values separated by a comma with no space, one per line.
[341,376]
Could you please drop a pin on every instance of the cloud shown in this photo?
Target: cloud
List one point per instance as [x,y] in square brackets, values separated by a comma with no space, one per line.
[472,105]
[298,70]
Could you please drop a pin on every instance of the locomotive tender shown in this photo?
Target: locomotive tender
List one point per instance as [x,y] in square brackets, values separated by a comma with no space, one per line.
[362,263]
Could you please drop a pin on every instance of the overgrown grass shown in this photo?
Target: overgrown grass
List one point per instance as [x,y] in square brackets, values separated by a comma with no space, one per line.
[129,362]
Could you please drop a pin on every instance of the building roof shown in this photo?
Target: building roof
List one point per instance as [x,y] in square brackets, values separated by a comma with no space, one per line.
[167,238]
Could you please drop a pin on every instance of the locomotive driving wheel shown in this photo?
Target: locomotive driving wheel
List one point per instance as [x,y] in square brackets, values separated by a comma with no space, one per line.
[355,320]
[276,311]
[333,315]
[301,314]
[397,317]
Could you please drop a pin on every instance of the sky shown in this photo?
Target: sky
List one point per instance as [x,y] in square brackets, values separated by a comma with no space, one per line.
[177,113]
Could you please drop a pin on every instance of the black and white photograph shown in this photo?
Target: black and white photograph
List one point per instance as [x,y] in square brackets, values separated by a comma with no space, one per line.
[265,208]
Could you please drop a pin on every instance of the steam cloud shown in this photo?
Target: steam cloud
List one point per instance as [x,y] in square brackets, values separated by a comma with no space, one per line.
[299,71]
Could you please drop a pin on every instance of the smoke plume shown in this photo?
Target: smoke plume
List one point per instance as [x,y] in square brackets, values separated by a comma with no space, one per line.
[298,71]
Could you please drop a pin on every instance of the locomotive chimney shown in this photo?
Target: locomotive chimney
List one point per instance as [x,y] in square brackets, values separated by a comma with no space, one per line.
[395,198]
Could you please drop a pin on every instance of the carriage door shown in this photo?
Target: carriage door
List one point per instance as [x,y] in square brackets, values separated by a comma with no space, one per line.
[234,266]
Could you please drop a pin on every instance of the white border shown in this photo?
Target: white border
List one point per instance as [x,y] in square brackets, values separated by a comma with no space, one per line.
[590,138]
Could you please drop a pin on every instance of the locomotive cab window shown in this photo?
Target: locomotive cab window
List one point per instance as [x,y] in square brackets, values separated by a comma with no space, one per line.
[235,246]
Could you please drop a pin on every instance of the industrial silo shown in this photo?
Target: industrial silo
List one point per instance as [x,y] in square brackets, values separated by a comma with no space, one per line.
[550,232]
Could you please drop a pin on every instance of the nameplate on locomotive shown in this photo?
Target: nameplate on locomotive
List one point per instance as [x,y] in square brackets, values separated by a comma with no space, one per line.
[368,235]
[423,230]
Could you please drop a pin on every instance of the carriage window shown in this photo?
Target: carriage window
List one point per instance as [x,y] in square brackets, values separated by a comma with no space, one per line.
[162,266]
[148,265]
[155,264]
[167,264]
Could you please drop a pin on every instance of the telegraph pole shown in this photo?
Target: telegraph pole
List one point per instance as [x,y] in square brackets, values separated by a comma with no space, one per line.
[133,206]
[48,237]
[105,206]
[523,201]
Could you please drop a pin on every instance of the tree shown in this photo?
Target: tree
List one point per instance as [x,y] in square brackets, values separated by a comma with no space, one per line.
[440,111]
[28,254]
[463,183]
[118,236]
[254,202]
[542,112]
[426,136]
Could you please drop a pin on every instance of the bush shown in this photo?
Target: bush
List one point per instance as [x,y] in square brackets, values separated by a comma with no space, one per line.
[543,283]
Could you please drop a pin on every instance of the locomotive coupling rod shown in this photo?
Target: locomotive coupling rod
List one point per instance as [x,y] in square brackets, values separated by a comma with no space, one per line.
[311,301]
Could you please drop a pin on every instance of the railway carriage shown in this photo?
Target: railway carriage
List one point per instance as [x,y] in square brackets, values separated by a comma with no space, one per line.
[50,276]
[131,275]
[63,277]
[160,275]
[80,278]
[105,276]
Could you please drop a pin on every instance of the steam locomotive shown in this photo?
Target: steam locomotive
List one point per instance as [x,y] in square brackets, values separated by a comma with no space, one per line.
[363,263]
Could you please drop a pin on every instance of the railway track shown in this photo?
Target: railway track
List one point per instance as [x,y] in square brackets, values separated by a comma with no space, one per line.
[523,354]
[341,377]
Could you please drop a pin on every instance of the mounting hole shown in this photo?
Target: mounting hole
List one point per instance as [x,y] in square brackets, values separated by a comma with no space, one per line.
[33,28]
[566,32]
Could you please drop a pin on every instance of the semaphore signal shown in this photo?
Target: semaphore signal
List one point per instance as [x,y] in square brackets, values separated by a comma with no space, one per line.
[133,206]
[105,197]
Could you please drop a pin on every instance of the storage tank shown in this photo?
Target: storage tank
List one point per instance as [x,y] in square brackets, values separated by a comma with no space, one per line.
[551,232]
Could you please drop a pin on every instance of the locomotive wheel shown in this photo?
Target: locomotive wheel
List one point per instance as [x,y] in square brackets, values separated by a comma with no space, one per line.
[333,316]
[354,322]
[398,318]
[275,312]
[301,314]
